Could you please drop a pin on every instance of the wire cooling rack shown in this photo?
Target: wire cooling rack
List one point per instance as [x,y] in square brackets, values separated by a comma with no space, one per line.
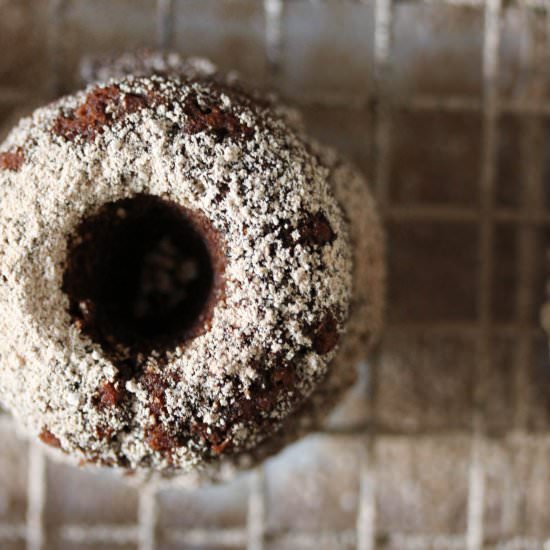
[445,442]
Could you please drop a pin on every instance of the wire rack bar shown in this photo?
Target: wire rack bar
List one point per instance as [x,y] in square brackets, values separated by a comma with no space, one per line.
[273,10]
[418,102]
[147,516]
[466,214]
[472,104]
[100,533]
[55,50]
[534,52]
[463,328]
[308,540]
[381,90]
[36,498]
[366,521]
[476,495]
[366,512]
[256,510]
[116,535]
[476,482]
[165,23]
[423,542]
[531,4]
[225,538]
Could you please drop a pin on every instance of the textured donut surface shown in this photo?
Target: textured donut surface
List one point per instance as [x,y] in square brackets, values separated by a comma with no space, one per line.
[261,197]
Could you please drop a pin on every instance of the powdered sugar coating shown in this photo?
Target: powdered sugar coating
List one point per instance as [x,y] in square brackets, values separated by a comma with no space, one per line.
[51,374]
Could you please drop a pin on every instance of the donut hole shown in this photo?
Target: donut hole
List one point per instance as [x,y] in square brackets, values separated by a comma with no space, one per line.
[142,275]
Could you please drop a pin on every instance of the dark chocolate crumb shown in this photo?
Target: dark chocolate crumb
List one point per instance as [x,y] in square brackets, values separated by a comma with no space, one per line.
[313,229]
[212,118]
[325,335]
[133,103]
[156,387]
[284,377]
[266,400]
[316,230]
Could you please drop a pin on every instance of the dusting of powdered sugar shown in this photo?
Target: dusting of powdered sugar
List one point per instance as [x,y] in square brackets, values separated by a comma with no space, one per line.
[257,378]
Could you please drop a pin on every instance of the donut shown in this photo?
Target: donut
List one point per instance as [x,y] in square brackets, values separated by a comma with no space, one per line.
[188,280]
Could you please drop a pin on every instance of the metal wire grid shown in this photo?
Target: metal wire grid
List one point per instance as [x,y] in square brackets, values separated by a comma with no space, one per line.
[145,533]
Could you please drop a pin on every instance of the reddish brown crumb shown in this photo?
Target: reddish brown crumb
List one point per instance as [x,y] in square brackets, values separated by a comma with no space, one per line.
[219,449]
[48,438]
[326,335]
[212,118]
[90,117]
[108,395]
[160,440]
[12,160]
[316,230]
[102,107]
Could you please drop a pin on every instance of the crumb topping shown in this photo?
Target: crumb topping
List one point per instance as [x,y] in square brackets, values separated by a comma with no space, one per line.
[12,160]
[268,343]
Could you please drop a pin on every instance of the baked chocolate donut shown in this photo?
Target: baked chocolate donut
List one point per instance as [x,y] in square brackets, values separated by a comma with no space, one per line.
[187,280]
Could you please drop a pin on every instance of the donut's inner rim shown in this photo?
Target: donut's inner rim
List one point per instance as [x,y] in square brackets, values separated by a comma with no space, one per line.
[142,276]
